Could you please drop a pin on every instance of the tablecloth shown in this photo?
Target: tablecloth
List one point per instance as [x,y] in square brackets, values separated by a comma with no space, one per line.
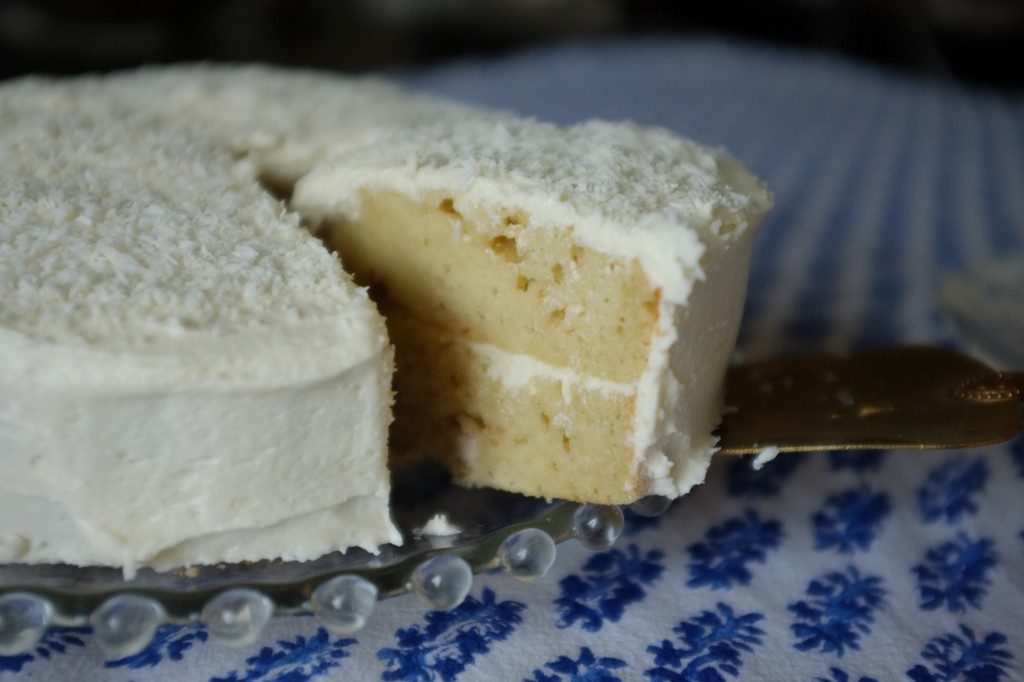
[844,567]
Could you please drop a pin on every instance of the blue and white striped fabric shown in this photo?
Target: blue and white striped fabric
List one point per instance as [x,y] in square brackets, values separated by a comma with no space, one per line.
[834,567]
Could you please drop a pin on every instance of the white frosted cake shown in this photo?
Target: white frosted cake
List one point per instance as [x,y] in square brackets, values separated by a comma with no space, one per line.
[187,375]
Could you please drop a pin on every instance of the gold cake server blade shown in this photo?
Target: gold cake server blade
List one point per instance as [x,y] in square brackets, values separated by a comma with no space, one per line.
[896,397]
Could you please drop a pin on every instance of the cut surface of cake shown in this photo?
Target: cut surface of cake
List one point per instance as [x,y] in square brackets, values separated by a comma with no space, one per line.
[563,300]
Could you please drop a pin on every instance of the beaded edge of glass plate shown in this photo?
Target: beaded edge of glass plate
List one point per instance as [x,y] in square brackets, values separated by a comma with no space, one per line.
[497,530]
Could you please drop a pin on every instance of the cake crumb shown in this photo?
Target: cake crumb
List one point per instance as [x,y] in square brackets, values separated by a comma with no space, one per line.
[438,526]
[767,454]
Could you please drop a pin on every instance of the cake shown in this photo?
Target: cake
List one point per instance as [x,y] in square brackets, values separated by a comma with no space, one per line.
[189,375]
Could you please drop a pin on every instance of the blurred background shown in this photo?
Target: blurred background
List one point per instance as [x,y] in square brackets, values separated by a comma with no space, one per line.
[974,41]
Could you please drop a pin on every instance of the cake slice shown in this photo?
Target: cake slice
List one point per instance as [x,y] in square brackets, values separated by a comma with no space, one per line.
[563,300]
[186,375]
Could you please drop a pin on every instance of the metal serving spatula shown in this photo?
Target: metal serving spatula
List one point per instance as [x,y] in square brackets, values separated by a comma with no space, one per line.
[898,397]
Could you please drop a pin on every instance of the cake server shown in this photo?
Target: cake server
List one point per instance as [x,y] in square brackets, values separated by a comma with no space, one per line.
[896,397]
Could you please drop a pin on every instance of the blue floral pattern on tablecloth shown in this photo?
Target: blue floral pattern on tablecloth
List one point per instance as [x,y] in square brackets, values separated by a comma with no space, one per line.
[827,567]
[713,644]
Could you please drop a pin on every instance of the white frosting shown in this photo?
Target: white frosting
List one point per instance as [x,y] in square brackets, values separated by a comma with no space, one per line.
[516,372]
[681,393]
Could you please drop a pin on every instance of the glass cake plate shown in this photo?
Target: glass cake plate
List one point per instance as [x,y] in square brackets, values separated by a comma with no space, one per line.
[495,530]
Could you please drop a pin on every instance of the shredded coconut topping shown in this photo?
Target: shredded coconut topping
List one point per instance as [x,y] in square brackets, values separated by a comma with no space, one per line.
[131,213]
